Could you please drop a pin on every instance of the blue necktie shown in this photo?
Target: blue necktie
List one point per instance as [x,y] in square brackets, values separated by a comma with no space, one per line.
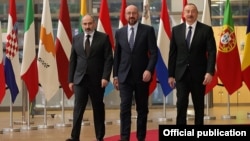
[131,38]
[188,39]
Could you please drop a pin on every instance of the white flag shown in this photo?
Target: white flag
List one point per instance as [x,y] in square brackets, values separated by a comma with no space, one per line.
[47,67]
[146,19]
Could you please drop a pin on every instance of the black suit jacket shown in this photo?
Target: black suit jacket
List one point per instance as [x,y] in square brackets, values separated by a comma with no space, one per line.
[201,56]
[98,64]
[142,57]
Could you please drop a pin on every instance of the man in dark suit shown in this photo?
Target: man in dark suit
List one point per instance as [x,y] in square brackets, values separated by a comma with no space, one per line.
[135,58]
[89,74]
[191,63]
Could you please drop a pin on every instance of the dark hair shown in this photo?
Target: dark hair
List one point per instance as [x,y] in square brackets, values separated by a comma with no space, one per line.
[92,16]
[192,5]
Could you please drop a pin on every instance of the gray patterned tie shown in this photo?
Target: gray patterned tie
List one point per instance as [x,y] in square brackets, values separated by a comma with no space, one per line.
[188,39]
[131,38]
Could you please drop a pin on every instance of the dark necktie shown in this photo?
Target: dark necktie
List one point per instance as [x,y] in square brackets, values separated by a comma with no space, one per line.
[87,45]
[131,38]
[188,39]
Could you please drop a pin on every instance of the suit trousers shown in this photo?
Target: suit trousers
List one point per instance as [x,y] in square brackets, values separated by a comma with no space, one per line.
[82,91]
[184,87]
[138,90]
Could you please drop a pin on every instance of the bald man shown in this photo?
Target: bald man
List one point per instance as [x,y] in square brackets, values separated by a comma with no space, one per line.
[135,58]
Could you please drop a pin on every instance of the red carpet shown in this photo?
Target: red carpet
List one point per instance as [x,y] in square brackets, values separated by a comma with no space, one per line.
[152,135]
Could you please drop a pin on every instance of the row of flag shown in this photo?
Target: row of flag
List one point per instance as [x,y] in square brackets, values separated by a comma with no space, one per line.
[229,69]
[50,67]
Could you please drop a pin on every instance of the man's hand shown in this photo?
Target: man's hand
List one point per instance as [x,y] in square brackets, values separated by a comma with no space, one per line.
[146,76]
[104,83]
[71,86]
[171,82]
[207,79]
[115,83]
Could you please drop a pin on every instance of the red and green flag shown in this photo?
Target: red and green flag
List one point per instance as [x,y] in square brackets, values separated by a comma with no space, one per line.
[29,70]
[228,59]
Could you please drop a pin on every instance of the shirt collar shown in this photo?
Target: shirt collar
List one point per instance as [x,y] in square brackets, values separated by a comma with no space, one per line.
[193,25]
[91,34]
[134,26]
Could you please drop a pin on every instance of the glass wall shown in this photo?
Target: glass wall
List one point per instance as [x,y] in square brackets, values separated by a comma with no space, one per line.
[240,10]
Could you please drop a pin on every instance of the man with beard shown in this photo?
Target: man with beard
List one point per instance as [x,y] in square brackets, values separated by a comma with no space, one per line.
[90,68]
[135,58]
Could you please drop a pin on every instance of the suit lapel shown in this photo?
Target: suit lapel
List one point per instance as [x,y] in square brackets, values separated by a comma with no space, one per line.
[196,33]
[183,34]
[92,46]
[125,33]
[80,42]
[136,35]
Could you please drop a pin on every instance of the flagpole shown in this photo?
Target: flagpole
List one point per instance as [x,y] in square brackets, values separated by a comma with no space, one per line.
[24,98]
[22,122]
[28,127]
[108,122]
[63,124]
[207,116]
[11,129]
[45,125]
[228,116]
[164,118]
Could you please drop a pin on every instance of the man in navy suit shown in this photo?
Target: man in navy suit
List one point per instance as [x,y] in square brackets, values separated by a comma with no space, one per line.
[191,63]
[89,74]
[135,58]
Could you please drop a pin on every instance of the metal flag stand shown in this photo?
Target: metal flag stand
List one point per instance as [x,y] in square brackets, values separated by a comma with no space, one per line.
[45,124]
[11,129]
[28,127]
[228,116]
[63,124]
[164,111]
[207,116]
[24,101]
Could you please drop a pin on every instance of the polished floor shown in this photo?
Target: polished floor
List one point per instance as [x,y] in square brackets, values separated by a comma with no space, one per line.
[57,127]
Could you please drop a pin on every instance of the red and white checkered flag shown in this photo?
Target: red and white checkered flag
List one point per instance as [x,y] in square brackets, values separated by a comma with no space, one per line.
[12,45]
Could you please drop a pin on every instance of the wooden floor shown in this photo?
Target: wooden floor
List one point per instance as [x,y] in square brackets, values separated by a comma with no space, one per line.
[56,128]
